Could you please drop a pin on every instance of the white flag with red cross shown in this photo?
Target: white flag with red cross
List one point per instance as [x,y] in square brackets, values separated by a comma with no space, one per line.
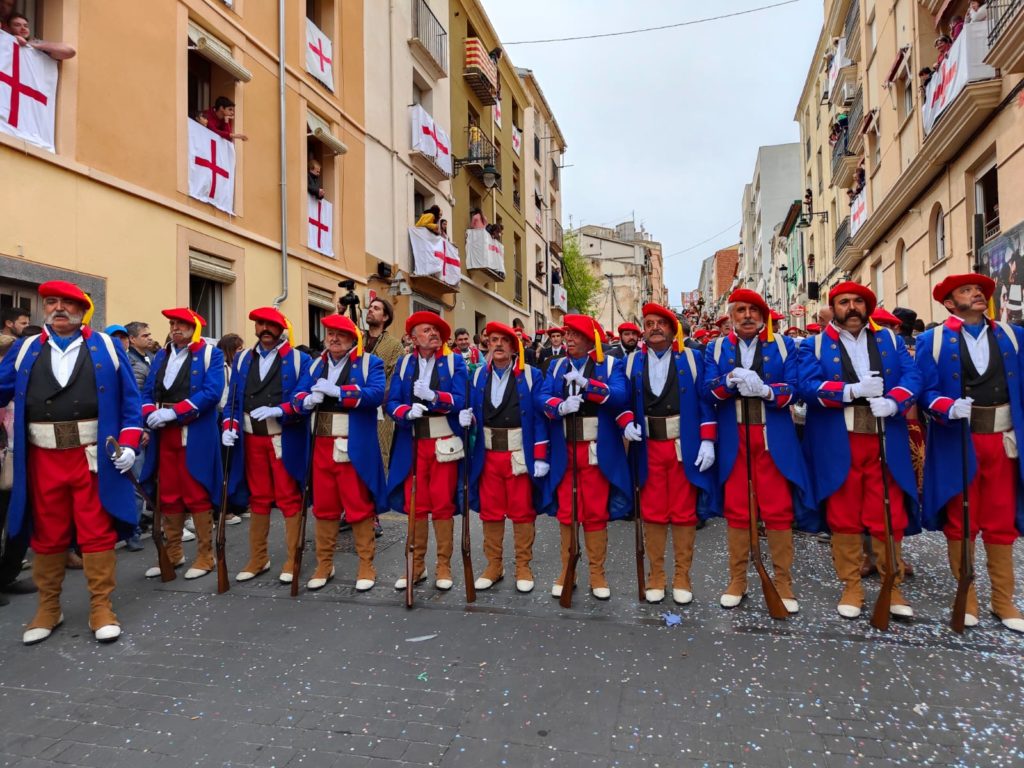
[321,226]
[211,167]
[28,92]
[435,256]
[319,55]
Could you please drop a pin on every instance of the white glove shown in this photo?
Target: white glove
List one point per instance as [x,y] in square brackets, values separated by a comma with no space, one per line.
[882,407]
[573,376]
[632,432]
[228,437]
[159,417]
[800,409]
[466,418]
[124,460]
[870,386]
[705,455]
[312,400]
[422,390]
[961,408]
[571,404]
[541,468]
[324,387]
[749,388]
[265,412]
[416,411]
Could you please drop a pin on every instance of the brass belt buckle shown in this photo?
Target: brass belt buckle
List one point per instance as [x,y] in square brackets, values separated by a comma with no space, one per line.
[65,434]
[864,421]
[324,424]
[983,419]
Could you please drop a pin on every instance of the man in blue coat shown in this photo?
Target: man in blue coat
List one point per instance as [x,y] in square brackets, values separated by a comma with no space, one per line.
[972,373]
[510,452]
[179,403]
[344,387]
[583,394]
[752,374]
[673,431]
[853,377]
[270,464]
[73,389]
[427,392]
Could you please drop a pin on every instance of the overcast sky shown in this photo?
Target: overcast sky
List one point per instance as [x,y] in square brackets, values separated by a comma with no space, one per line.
[665,124]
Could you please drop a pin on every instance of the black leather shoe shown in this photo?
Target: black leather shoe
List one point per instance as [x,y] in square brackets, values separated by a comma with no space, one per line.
[19,587]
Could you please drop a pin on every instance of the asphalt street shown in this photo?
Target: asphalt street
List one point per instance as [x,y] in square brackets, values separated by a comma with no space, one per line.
[337,678]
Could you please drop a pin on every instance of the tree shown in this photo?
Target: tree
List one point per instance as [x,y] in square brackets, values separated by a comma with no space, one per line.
[581,285]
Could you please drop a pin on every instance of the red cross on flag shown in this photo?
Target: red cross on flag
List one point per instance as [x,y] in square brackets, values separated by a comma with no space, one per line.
[319,55]
[28,91]
[321,226]
[211,168]
[433,255]
[430,139]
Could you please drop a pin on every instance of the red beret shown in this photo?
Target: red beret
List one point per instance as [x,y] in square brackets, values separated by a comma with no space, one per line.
[429,318]
[748,296]
[650,308]
[856,288]
[504,330]
[813,328]
[269,315]
[555,329]
[341,323]
[722,320]
[882,317]
[951,283]
[777,315]
[629,327]
[714,333]
[185,315]
[583,324]
[700,333]
[61,289]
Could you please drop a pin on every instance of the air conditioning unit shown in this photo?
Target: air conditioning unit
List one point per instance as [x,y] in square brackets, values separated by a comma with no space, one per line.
[847,93]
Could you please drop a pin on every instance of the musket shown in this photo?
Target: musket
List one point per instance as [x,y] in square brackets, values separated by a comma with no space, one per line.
[638,523]
[966,575]
[880,616]
[223,582]
[162,559]
[410,529]
[300,545]
[467,557]
[569,576]
[776,608]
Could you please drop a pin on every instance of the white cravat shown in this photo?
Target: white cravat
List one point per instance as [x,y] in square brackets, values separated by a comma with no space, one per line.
[426,368]
[267,360]
[978,349]
[857,348]
[748,349]
[499,383]
[657,370]
[175,360]
[334,369]
[62,361]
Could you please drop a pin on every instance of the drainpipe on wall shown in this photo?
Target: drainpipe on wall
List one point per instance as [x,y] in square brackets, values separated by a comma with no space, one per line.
[284,154]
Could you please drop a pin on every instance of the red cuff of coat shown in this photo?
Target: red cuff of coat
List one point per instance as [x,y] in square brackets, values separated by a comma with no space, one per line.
[709,430]
[624,419]
[130,437]
[540,451]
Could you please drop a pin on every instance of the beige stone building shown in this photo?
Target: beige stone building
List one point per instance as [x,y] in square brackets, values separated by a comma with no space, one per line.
[111,209]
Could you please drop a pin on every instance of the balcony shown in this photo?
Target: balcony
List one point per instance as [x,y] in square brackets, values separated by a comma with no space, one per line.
[436,266]
[556,236]
[430,148]
[851,30]
[481,72]
[855,126]
[844,253]
[481,153]
[555,176]
[1006,35]
[429,41]
[963,65]
[844,162]
[485,254]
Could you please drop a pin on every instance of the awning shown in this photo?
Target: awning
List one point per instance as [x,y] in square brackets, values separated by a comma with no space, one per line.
[941,15]
[211,48]
[869,123]
[321,131]
[895,68]
[211,267]
[321,298]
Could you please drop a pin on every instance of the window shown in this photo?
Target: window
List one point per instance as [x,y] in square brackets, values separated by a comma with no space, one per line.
[938,234]
[878,281]
[821,183]
[479,322]
[206,296]
[906,102]
[517,257]
[422,93]
[538,256]
[319,304]
[900,264]
[517,198]
[319,155]
[872,36]
[22,296]
[986,199]
[212,71]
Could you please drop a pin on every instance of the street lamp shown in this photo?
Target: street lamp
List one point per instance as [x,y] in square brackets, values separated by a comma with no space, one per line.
[491,176]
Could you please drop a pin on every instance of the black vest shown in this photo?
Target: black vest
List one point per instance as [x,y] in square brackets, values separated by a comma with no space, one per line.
[46,400]
[667,403]
[333,404]
[587,408]
[850,375]
[179,387]
[434,380]
[987,388]
[758,365]
[268,392]
[506,415]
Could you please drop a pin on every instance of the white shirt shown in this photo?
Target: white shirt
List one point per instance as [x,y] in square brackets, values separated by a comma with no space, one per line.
[657,370]
[499,383]
[977,348]
[425,369]
[267,360]
[857,348]
[334,369]
[62,361]
[175,360]
[747,351]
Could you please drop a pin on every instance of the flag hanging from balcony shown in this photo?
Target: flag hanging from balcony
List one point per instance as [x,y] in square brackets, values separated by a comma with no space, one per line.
[319,55]
[321,226]
[28,91]
[434,256]
[517,141]
[965,63]
[430,139]
[211,167]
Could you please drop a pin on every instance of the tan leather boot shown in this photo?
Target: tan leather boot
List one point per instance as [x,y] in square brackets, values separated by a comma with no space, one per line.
[597,551]
[444,539]
[899,606]
[1000,573]
[48,575]
[173,526]
[847,553]
[292,531]
[739,560]
[259,558]
[421,535]
[655,537]
[683,539]
[366,548]
[565,531]
[101,577]
[203,564]
[494,536]
[780,544]
[325,536]
[523,534]
[973,609]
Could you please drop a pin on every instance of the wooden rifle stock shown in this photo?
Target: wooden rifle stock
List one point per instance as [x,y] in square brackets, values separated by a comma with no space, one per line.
[300,545]
[223,582]
[880,616]
[569,576]
[163,560]
[966,575]
[776,608]
[638,522]
[410,530]
[467,555]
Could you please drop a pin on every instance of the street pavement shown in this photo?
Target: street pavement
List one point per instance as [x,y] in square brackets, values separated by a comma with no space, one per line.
[336,678]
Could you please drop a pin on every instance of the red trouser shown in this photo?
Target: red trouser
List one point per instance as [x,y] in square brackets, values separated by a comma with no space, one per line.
[179,491]
[992,495]
[65,498]
[268,479]
[774,502]
[503,494]
[592,491]
[859,504]
[435,483]
[337,487]
[667,498]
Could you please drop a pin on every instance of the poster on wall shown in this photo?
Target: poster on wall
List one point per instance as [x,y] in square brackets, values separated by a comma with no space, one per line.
[1002,260]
